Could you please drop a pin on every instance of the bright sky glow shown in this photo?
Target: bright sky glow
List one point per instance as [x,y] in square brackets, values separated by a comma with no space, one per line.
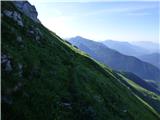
[123,21]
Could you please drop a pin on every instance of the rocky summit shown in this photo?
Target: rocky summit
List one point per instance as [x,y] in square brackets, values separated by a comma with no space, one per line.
[28,9]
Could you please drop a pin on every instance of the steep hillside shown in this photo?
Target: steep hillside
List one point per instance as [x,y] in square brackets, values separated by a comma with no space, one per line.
[141,82]
[45,78]
[143,92]
[117,60]
[125,48]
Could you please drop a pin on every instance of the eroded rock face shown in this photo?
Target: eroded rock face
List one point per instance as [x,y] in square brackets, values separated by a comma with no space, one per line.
[6,63]
[15,16]
[27,9]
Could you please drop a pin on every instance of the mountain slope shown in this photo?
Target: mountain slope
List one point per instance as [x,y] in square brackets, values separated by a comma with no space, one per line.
[135,86]
[45,78]
[153,58]
[117,60]
[141,82]
[125,48]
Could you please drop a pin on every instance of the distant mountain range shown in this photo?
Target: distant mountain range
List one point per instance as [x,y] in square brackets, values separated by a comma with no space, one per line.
[153,58]
[125,48]
[116,60]
[151,46]
[146,51]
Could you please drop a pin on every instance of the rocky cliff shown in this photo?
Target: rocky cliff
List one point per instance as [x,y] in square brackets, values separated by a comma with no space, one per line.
[27,9]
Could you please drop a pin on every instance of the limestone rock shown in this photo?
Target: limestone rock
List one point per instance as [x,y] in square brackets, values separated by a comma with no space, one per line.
[28,9]
[15,16]
[6,63]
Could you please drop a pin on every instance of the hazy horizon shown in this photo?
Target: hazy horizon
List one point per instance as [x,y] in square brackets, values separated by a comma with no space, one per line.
[112,40]
[99,21]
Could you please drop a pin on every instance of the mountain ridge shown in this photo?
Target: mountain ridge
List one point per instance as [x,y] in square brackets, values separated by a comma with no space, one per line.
[125,48]
[153,58]
[108,56]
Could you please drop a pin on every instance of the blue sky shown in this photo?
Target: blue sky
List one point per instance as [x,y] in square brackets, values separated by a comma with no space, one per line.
[122,21]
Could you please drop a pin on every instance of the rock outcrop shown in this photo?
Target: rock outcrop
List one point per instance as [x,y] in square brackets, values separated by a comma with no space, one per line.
[27,9]
[15,16]
[6,62]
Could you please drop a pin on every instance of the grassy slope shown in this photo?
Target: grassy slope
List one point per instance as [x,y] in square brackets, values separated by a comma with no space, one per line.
[150,97]
[60,82]
[142,83]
